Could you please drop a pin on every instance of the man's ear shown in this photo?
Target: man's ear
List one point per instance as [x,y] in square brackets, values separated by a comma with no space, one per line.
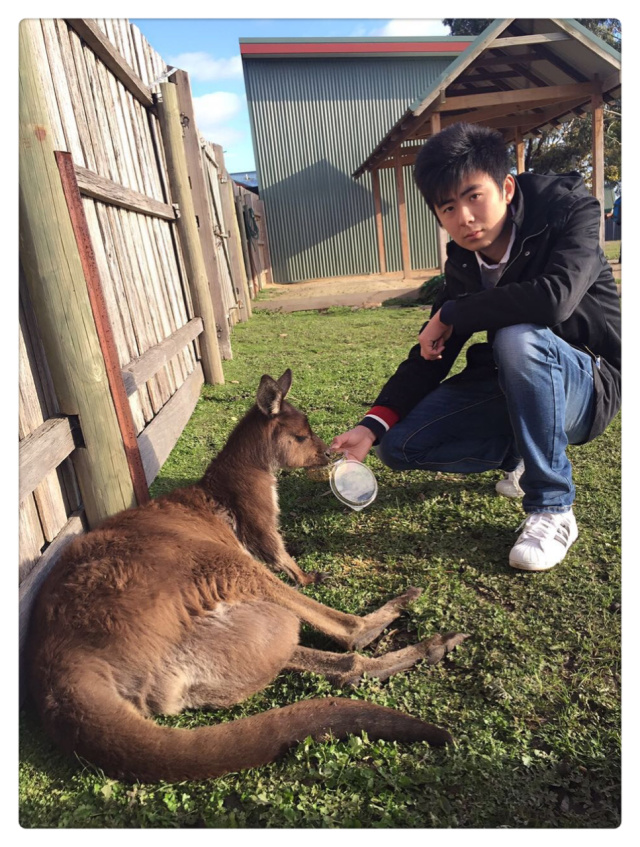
[509,188]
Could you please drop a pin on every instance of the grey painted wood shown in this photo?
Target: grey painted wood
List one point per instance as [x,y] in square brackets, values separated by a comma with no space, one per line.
[160,436]
[137,372]
[101,188]
[43,450]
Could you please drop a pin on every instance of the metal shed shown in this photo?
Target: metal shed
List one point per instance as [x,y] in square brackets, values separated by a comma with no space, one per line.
[519,76]
[317,107]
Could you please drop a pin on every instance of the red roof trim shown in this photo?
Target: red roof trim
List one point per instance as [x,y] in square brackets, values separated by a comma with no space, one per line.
[357,47]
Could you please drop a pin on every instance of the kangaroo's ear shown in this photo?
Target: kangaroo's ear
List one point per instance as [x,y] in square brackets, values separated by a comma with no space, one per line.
[285,382]
[270,396]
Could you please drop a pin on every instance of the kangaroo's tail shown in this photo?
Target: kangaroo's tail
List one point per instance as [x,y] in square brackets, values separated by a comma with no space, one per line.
[101,726]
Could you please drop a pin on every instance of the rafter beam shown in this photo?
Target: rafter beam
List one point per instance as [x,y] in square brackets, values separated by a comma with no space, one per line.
[548,55]
[522,96]
[486,61]
[530,120]
[542,38]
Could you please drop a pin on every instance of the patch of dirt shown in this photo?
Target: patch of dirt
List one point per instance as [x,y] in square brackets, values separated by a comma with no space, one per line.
[356,291]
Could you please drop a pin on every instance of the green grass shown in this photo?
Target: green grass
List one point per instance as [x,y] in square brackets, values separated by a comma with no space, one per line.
[532,698]
[612,250]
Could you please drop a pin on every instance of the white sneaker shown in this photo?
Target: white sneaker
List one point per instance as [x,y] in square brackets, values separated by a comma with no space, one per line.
[510,485]
[544,541]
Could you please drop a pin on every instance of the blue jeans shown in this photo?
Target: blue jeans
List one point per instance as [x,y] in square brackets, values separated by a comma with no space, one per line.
[540,398]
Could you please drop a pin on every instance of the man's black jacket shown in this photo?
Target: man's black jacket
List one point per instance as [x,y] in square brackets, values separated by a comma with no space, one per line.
[557,276]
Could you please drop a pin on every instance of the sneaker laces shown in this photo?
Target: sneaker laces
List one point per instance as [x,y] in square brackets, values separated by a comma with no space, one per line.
[537,525]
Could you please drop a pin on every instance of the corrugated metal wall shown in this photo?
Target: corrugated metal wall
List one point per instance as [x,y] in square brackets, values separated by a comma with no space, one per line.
[314,121]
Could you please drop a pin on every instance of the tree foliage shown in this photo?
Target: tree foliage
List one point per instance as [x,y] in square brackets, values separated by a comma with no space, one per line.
[568,147]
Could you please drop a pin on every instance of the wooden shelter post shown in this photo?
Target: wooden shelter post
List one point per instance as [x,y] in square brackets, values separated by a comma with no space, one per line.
[441,233]
[519,143]
[169,114]
[56,283]
[402,217]
[597,173]
[377,202]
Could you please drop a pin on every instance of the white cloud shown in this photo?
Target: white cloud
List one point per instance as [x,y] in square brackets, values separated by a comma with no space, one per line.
[406,27]
[205,68]
[214,115]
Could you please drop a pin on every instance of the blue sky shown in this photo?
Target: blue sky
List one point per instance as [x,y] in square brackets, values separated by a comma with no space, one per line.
[208,50]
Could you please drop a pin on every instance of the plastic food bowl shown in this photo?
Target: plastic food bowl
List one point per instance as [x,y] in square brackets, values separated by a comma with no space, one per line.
[353,483]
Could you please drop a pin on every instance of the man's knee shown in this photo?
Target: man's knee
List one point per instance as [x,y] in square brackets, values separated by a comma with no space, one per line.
[390,452]
[516,346]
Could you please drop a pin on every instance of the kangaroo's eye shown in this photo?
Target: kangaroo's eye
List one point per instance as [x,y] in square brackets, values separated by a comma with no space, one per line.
[300,438]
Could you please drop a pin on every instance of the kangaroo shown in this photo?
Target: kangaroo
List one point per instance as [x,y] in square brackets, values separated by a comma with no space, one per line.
[166,607]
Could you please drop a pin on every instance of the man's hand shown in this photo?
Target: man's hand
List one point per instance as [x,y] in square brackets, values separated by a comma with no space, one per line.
[432,338]
[355,443]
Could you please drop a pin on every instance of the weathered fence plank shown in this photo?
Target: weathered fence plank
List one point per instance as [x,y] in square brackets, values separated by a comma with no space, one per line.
[160,436]
[108,191]
[47,494]
[100,45]
[30,585]
[140,370]
[42,451]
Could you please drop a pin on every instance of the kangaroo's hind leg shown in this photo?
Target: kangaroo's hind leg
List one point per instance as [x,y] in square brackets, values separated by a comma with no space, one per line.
[229,654]
[350,631]
[347,668]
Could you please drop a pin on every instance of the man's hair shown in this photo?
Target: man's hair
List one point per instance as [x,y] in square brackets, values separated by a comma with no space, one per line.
[451,155]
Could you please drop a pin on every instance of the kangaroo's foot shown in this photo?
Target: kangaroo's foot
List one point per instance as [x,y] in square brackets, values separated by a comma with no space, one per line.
[350,631]
[312,578]
[344,669]
[374,623]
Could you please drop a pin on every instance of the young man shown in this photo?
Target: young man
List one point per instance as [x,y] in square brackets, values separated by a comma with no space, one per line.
[524,263]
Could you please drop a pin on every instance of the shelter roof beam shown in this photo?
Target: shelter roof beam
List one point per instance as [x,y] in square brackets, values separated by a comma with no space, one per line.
[540,38]
[520,96]
[545,54]
[530,120]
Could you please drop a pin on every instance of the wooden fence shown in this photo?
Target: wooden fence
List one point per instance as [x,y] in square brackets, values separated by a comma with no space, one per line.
[135,264]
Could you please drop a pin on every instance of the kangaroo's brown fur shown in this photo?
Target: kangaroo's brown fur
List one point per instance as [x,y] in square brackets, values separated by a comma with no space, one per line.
[166,607]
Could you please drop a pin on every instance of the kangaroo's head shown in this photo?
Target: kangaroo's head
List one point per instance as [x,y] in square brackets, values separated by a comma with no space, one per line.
[293,442]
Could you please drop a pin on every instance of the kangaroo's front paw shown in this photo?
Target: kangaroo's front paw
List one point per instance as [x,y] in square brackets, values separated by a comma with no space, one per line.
[311,578]
[437,647]
[319,577]
[403,600]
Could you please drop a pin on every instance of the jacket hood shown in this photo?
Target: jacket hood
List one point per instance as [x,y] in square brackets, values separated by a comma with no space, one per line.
[536,193]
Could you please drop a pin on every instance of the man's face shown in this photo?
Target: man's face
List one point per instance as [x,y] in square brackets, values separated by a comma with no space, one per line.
[475,214]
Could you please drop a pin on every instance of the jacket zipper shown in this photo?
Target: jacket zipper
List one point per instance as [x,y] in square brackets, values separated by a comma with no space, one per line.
[596,358]
[524,241]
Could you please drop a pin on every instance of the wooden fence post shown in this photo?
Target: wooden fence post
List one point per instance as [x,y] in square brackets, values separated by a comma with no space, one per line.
[57,287]
[103,325]
[202,210]
[239,278]
[239,204]
[169,114]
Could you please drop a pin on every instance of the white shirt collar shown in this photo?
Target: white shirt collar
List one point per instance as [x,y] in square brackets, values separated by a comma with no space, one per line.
[505,257]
